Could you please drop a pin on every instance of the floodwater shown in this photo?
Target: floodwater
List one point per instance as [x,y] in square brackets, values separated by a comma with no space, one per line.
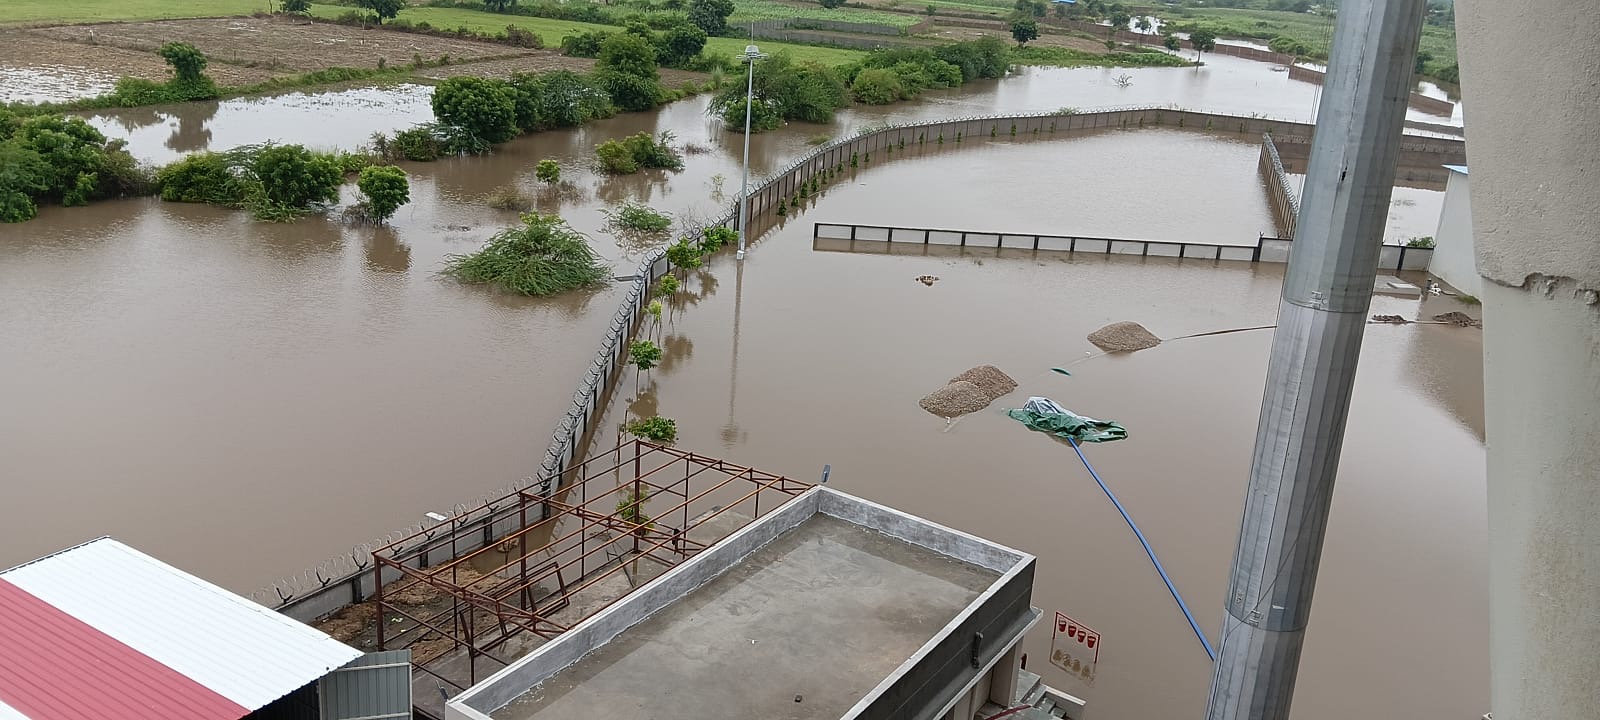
[800,357]
[51,83]
[246,399]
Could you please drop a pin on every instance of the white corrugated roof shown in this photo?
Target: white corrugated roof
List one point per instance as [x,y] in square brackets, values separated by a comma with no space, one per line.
[238,649]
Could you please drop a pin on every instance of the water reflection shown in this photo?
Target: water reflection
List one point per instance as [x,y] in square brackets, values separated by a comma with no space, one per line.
[385,252]
[190,132]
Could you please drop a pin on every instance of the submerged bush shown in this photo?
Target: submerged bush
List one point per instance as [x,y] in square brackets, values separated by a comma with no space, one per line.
[543,256]
[639,217]
[654,428]
[204,177]
[636,152]
[804,91]
[877,86]
[385,189]
[58,159]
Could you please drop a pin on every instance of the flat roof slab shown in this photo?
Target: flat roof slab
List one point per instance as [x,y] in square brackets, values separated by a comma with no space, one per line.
[824,612]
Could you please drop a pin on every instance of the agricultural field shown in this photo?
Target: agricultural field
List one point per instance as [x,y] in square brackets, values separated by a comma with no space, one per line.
[551,31]
[744,10]
[1312,30]
[80,11]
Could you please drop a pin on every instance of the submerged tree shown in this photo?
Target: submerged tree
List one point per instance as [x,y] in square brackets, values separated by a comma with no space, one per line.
[385,188]
[1203,41]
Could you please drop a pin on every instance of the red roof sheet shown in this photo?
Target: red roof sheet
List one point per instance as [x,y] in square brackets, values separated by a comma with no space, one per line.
[56,667]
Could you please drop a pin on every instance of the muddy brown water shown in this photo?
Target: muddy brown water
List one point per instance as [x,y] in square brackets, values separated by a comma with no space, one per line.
[803,357]
[246,399]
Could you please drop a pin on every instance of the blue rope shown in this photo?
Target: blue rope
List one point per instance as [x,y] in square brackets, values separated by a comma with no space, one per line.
[1152,553]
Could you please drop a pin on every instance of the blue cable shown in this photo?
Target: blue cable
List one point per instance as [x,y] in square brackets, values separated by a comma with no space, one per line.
[1152,553]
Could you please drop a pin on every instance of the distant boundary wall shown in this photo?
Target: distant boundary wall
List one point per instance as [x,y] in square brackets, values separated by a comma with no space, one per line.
[346,579]
[1417,101]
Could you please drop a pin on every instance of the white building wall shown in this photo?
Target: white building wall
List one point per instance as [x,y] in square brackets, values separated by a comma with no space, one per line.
[1455,260]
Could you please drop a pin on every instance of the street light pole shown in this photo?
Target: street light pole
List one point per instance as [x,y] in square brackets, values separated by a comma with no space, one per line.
[751,55]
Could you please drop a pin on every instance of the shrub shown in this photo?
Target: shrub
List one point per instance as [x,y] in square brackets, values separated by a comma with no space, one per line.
[637,152]
[548,171]
[543,256]
[680,44]
[717,237]
[385,188]
[486,108]
[52,158]
[419,144]
[627,71]
[638,217]
[878,86]
[558,99]
[204,177]
[1420,242]
[654,428]
[643,354]
[667,286]
[523,38]
[294,177]
[806,91]
[298,7]
[684,254]
[506,197]
[983,58]
[763,116]
[586,44]
[382,9]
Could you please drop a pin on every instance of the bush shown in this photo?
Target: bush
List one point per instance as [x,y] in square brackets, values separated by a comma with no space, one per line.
[559,99]
[523,38]
[543,256]
[983,58]
[294,177]
[585,44]
[204,177]
[680,44]
[186,60]
[382,9]
[1288,46]
[637,152]
[548,171]
[52,158]
[506,197]
[385,188]
[878,86]
[762,118]
[298,7]
[627,71]
[654,428]
[807,91]
[638,217]
[485,108]
[631,92]
[667,286]
[643,354]
[419,144]
[717,237]
[684,254]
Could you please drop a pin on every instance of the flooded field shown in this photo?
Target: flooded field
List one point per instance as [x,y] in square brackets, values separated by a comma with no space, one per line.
[216,384]
[802,358]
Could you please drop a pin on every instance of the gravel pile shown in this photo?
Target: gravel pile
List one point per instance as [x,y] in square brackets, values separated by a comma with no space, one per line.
[989,379]
[1123,337]
[1459,318]
[955,399]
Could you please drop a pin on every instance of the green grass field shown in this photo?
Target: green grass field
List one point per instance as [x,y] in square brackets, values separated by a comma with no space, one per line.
[1313,30]
[80,11]
[770,10]
[551,31]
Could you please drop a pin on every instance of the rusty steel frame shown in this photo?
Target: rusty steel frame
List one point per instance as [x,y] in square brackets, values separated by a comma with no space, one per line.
[488,610]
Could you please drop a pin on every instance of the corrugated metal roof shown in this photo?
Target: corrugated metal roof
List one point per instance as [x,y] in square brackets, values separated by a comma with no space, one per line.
[236,648]
[1458,168]
[56,667]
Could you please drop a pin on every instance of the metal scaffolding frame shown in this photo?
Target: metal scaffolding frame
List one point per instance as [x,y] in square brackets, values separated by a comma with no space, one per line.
[558,547]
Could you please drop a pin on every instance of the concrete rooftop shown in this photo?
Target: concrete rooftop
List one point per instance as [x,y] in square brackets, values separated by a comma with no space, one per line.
[824,612]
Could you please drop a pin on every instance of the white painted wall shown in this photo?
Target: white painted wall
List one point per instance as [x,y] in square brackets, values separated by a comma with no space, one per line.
[1455,261]
[1528,70]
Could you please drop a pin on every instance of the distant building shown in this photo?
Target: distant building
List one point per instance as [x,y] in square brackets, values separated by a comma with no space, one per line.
[104,631]
[1454,257]
[828,607]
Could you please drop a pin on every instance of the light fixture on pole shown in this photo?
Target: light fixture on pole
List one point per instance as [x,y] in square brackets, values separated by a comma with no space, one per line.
[750,56]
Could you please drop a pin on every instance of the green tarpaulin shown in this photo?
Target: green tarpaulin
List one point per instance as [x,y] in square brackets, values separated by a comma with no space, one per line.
[1044,415]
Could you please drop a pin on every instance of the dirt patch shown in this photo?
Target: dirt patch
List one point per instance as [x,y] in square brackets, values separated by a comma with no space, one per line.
[26,49]
[989,379]
[956,399]
[1124,337]
[1460,319]
[279,45]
